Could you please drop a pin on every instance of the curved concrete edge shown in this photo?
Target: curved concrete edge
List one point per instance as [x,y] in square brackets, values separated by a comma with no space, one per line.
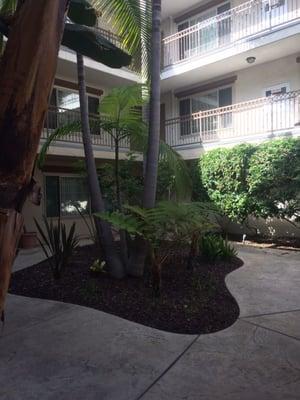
[58,350]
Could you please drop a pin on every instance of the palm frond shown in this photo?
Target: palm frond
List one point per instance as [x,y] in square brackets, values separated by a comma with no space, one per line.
[131,20]
[180,171]
[58,134]
[8,7]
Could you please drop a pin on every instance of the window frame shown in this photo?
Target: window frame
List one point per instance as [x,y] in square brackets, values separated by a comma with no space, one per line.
[202,93]
[189,19]
[65,175]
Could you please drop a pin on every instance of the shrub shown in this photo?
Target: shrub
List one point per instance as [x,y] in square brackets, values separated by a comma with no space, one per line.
[274,178]
[57,244]
[224,175]
[249,180]
[215,248]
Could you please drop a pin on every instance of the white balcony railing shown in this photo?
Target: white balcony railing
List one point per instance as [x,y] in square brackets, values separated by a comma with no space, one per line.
[233,26]
[58,117]
[267,115]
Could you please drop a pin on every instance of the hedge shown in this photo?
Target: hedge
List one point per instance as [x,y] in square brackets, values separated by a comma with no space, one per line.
[261,180]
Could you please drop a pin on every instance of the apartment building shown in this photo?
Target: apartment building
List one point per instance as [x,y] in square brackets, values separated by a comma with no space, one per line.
[61,183]
[230,72]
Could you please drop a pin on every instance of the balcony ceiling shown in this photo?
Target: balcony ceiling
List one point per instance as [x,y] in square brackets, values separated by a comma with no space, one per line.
[176,7]
[180,79]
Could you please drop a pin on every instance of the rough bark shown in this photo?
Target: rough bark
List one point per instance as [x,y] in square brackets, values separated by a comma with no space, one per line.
[112,258]
[27,72]
[137,260]
[11,223]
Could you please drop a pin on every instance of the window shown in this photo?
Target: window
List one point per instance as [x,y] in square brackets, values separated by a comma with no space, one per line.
[64,195]
[65,106]
[208,37]
[203,102]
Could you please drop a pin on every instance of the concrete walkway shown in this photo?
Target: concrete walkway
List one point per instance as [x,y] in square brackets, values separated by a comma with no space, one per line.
[56,351]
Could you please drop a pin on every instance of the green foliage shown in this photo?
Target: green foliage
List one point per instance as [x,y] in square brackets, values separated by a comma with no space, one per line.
[261,180]
[131,20]
[98,267]
[57,244]
[215,248]
[174,181]
[198,192]
[168,221]
[120,112]
[274,178]
[224,175]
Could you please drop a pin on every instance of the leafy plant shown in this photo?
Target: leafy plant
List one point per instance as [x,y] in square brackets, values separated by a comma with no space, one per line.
[223,173]
[166,227]
[274,178]
[262,180]
[98,267]
[214,248]
[57,244]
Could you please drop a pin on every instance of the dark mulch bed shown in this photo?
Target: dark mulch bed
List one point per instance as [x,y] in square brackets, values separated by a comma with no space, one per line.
[191,302]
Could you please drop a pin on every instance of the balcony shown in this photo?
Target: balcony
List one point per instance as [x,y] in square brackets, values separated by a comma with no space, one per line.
[118,42]
[61,117]
[233,27]
[264,116]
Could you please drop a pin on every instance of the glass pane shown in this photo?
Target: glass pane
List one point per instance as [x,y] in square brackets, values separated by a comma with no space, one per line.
[52,196]
[225,97]
[68,100]
[93,105]
[69,106]
[184,112]
[74,195]
[204,102]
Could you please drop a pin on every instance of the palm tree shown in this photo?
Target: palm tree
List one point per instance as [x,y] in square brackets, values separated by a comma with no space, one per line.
[113,261]
[149,195]
[142,31]
[24,102]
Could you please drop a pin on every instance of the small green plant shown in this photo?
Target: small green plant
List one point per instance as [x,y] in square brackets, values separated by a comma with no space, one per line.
[166,227]
[57,244]
[98,267]
[215,248]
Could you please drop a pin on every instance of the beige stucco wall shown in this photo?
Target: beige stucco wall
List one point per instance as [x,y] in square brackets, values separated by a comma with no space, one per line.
[251,82]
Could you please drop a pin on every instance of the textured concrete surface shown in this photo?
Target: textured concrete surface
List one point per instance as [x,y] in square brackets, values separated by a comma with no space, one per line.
[28,257]
[50,350]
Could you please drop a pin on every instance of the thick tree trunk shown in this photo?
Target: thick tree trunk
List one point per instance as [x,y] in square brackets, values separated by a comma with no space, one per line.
[151,169]
[27,72]
[97,204]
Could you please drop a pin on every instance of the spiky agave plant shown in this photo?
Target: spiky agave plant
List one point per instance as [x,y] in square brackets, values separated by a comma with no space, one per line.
[165,227]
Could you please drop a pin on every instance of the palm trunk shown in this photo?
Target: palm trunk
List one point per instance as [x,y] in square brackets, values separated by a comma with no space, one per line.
[27,72]
[149,195]
[97,204]
[151,170]
[123,236]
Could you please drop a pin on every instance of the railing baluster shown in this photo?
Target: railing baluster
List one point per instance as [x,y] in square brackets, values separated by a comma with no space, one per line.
[267,114]
[231,26]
